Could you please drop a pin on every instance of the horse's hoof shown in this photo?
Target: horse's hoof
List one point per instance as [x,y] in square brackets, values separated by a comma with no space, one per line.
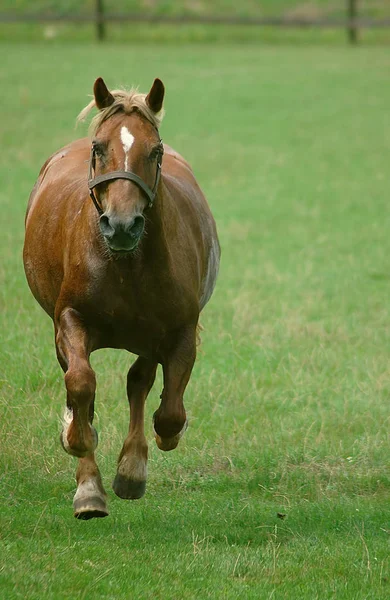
[128,489]
[89,501]
[167,444]
[92,508]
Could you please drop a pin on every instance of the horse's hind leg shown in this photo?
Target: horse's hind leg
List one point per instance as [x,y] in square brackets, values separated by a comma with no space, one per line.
[170,421]
[78,437]
[130,480]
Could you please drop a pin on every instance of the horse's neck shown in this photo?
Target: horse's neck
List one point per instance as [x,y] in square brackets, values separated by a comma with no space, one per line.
[161,222]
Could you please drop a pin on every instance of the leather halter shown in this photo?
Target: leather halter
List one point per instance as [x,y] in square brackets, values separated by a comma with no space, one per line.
[94,181]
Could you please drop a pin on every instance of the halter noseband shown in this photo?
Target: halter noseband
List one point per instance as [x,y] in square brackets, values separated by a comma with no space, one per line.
[94,181]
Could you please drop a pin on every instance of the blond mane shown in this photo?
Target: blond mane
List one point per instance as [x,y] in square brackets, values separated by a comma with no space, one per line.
[125,101]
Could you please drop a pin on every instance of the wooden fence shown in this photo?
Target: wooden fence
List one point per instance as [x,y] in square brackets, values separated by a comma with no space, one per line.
[351,23]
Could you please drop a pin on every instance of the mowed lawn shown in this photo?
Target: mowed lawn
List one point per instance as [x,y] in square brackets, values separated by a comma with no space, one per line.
[281,486]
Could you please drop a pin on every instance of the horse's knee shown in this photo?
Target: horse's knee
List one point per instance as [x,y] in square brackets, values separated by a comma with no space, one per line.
[78,437]
[80,384]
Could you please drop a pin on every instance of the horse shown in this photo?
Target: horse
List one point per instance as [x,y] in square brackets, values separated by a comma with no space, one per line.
[121,251]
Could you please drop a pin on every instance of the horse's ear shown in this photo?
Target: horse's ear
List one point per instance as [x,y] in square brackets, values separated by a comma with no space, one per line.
[156,96]
[103,98]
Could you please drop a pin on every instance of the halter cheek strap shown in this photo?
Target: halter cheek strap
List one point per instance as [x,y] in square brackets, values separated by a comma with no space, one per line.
[95,181]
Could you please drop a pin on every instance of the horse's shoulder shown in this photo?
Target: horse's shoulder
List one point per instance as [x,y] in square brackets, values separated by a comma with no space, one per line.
[70,151]
[175,158]
[57,166]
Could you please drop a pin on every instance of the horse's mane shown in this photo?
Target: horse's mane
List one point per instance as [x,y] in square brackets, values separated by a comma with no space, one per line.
[125,101]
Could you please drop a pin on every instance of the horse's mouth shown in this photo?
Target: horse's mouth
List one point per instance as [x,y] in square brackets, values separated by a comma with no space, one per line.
[122,251]
[121,245]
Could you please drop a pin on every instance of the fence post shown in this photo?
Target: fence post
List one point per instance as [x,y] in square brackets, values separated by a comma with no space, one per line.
[352,16]
[100,27]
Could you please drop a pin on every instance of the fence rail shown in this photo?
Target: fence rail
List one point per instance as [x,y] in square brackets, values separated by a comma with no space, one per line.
[351,23]
[361,22]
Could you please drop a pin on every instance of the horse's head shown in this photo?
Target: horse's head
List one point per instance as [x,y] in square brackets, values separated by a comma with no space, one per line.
[125,161]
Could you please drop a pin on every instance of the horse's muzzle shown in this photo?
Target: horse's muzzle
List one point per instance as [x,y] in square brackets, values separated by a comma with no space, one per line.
[122,235]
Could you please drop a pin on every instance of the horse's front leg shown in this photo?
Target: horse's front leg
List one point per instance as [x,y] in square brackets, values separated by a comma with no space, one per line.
[79,437]
[130,480]
[170,421]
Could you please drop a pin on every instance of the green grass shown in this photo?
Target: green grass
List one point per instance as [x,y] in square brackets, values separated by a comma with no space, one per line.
[289,399]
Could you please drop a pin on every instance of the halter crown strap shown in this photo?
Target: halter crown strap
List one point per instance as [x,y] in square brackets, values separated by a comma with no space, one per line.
[94,181]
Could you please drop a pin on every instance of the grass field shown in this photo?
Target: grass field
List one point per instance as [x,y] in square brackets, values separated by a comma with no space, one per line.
[289,399]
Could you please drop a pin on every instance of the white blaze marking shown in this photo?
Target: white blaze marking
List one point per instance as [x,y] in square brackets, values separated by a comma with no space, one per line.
[127,141]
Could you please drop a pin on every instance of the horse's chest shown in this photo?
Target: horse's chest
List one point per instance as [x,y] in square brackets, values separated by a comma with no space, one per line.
[138,319]
[121,325]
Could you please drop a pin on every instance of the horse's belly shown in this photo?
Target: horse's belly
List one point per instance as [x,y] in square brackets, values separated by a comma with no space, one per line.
[140,336]
[210,279]
[44,273]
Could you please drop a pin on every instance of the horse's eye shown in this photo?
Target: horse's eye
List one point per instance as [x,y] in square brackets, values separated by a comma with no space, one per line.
[154,153]
[98,148]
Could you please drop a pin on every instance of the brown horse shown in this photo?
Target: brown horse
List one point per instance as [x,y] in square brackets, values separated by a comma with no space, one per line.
[130,269]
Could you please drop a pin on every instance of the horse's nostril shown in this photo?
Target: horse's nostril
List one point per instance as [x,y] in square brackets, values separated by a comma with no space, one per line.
[137,226]
[105,227]
[121,233]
